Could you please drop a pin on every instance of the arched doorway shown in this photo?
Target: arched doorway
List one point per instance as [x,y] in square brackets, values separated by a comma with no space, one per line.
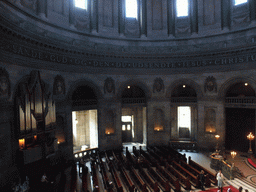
[184,102]
[84,118]
[240,116]
[133,114]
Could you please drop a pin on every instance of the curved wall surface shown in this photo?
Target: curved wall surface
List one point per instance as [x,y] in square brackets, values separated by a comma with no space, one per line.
[57,39]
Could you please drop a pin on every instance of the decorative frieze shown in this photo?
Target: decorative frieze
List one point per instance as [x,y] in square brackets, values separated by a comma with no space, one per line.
[162,63]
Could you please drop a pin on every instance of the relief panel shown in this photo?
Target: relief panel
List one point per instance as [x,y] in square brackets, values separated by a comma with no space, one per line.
[29,4]
[157,15]
[108,13]
[58,6]
[209,12]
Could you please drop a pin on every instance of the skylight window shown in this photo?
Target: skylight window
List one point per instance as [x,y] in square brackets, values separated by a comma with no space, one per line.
[131,8]
[238,2]
[81,4]
[182,8]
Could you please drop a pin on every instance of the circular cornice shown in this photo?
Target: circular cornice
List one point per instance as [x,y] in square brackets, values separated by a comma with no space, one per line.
[17,40]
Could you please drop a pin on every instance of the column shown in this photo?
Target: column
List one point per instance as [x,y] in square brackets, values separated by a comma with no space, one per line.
[71,14]
[121,17]
[143,18]
[42,8]
[194,17]
[252,7]
[94,16]
[225,14]
[171,17]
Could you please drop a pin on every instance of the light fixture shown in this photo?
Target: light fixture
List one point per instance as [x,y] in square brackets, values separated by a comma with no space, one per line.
[22,143]
[233,155]
[184,86]
[245,84]
[128,86]
[250,137]
[217,146]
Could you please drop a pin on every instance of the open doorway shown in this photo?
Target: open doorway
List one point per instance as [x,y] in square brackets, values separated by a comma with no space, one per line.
[133,115]
[239,123]
[85,130]
[134,125]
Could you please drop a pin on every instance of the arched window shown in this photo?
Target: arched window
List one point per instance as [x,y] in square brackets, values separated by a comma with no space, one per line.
[238,2]
[131,8]
[182,8]
[81,4]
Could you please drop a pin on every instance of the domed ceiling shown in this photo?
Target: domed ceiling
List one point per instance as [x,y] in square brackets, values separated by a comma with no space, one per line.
[104,34]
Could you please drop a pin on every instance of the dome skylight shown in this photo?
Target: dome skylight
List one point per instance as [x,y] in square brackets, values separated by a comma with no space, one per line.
[131,8]
[238,2]
[182,8]
[81,4]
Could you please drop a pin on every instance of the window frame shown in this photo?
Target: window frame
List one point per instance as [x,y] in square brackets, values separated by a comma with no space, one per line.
[83,8]
[176,10]
[240,4]
[137,15]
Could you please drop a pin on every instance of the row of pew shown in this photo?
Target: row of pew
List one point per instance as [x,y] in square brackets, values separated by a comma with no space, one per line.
[157,169]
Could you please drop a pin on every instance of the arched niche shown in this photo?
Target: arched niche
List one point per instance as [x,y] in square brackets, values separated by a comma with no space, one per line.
[232,82]
[83,96]
[184,94]
[191,89]
[239,99]
[134,84]
[159,120]
[110,122]
[133,94]
[60,128]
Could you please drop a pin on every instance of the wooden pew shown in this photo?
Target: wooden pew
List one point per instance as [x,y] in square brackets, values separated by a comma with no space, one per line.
[159,159]
[163,182]
[85,178]
[73,181]
[150,158]
[150,181]
[173,153]
[104,175]
[127,180]
[212,176]
[136,152]
[95,180]
[138,180]
[108,161]
[174,182]
[184,181]
[196,172]
[116,178]
[132,159]
[193,178]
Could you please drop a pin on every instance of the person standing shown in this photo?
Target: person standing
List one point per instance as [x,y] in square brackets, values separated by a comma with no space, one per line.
[220,179]
[202,179]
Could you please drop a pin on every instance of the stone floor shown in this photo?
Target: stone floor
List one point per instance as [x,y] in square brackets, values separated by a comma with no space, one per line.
[240,161]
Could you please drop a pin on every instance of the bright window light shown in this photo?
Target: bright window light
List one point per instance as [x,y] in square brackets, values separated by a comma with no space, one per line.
[238,2]
[126,118]
[81,4]
[131,8]
[184,117]
[182,8]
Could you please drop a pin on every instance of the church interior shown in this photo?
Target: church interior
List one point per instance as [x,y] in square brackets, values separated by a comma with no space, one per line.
[127,95]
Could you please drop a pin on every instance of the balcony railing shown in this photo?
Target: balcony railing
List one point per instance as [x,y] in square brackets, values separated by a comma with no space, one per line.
[85,154]
[133,100]
[84,102]
[239,100]
[183,99]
